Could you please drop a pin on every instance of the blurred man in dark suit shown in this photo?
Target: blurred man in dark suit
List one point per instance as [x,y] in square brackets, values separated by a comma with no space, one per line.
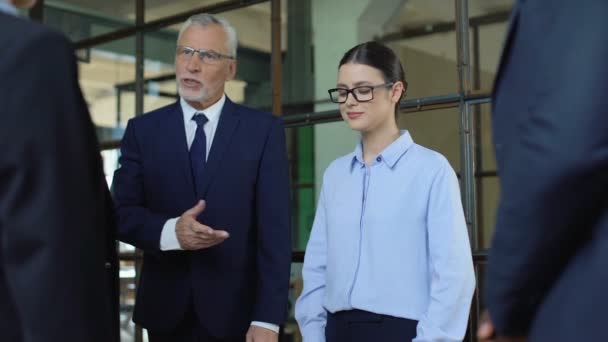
[57,256]
[547,271]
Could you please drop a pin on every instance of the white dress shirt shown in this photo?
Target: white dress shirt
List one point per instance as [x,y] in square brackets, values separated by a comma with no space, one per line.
[168,238]
[389,238]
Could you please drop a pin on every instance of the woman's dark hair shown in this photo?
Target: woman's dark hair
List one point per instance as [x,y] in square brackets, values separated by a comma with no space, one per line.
[378,56]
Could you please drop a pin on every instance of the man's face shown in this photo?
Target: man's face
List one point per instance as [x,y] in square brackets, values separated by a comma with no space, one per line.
[200,83]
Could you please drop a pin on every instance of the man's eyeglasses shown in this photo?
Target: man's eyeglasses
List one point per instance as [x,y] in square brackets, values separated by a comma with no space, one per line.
[361,94]
[206,56]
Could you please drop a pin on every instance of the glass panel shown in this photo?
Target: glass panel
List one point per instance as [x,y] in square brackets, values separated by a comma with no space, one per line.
[429,60]
[84,19]
[487,201]
[487,162]
[437,130]
[300,149]
[487,180]
[159,73]
[252,85]
[156,9]
[298,79]
[490,18]
[101,76]
[127,277]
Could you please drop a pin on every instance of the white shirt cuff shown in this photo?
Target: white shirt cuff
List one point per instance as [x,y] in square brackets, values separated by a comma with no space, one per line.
[168,238]
[268,326]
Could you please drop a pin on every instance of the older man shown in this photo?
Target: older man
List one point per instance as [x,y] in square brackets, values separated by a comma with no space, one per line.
[203,191]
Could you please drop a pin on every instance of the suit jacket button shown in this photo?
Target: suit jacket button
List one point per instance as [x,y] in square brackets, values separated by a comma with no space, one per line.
[108,265]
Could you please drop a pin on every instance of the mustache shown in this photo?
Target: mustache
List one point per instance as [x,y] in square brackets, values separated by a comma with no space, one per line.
[187,78]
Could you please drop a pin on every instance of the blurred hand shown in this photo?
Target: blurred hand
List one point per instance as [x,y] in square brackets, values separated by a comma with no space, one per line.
[259,334]
[192,235]
[487,333]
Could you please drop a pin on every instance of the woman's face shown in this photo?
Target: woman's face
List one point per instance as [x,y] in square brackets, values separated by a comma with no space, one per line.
[366,116]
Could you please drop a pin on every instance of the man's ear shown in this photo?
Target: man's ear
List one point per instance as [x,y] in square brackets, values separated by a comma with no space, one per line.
[231,70]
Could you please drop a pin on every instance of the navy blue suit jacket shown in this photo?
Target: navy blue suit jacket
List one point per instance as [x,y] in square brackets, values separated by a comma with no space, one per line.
[547,271]
[245,278]
[58,262]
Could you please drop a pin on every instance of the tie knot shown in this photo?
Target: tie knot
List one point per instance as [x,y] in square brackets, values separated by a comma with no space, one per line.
[200,119]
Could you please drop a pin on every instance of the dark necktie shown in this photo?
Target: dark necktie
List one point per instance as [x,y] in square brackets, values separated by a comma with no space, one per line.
[198,151]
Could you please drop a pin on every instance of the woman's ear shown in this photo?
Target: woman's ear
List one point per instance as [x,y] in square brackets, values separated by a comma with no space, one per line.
[399,90]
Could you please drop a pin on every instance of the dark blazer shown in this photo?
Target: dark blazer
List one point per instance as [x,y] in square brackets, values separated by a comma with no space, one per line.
[243,279]
[57,257]
[547,271]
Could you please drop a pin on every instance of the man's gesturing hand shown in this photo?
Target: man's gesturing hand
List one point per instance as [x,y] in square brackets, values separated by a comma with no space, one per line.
[192,235]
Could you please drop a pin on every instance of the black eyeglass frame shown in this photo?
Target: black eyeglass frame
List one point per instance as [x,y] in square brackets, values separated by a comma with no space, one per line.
[352,91]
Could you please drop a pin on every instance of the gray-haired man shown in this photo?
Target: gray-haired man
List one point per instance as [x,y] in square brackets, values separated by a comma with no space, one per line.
[203,190]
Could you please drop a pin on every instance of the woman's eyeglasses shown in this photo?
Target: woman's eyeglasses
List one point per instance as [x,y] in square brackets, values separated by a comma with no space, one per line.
[361,94]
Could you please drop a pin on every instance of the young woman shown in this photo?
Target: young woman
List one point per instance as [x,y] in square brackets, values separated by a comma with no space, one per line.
[388,257]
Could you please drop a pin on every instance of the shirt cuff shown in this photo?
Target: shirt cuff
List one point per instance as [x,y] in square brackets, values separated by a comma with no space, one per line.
[168,238]
[268,326]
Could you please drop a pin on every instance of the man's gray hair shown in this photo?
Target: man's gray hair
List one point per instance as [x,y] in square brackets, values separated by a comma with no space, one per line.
[205,19]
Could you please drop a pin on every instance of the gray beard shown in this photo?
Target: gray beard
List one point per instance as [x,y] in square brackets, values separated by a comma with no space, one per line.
[202,96]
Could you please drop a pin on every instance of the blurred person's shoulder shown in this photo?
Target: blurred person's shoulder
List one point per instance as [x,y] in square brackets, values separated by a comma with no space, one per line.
[19,32]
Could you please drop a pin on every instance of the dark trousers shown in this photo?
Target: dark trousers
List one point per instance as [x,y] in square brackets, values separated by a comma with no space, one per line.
[363,326]
[189,330]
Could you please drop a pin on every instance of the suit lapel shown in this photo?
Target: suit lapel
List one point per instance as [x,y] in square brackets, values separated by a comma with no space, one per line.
[228,122]
[176,134]
[511,31]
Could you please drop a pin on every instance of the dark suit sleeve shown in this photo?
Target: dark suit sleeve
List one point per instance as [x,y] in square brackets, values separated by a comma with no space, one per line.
[137,225]
[53,219]
[555,179]
[273,226]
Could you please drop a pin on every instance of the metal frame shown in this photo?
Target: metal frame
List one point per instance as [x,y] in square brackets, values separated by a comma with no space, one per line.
[406,106]
[466,122]
[408,32]
[139,110]
[36,13]
[276,59]
[163,22]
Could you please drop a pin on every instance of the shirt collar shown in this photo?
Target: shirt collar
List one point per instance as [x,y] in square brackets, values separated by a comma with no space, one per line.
[8,8]
[391,154]
[212,112]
